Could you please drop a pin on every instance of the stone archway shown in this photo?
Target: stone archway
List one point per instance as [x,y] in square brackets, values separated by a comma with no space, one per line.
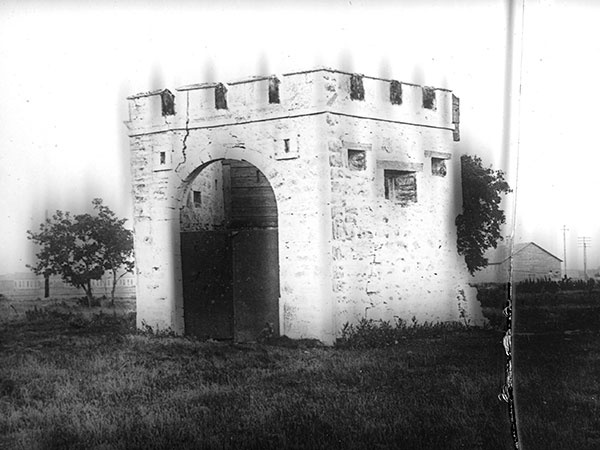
[229,252]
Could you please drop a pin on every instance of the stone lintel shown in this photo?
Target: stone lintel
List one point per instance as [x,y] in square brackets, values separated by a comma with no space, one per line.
[399,165]
[356,145]
[440,155]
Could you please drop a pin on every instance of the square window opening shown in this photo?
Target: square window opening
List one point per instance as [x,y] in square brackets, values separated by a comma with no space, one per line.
[428,98]
[167,102]
[357,89]
[197,198]
[274,90]
[395,92]
[438,167]
[357,159]
[400,186]
[220,96]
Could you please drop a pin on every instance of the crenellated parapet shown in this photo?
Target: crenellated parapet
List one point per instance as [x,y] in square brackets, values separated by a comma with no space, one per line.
[292,95]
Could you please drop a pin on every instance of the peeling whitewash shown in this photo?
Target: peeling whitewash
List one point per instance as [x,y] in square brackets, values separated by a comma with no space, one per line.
[345,250]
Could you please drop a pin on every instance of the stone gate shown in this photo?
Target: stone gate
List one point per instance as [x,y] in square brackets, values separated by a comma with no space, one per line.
[297,203]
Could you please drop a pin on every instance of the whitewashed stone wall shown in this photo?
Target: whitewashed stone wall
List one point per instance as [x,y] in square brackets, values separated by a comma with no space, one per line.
[345,251]
[209,213]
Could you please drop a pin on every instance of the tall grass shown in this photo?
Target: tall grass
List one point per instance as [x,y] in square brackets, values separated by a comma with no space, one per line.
[68,382]
[557,377]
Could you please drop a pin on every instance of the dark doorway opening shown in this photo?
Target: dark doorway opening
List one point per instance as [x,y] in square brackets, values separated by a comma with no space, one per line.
[230,254]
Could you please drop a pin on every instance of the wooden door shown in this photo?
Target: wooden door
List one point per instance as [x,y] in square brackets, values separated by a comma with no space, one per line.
[231,276]
[255,282]
[206,258]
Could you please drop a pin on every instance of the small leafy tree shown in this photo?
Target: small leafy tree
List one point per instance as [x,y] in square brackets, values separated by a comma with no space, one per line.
[82,248]
[478,227]
[117,241]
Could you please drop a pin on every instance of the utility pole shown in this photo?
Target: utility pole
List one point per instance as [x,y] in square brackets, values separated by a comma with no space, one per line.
[584,242]
[564,230]
[46,275]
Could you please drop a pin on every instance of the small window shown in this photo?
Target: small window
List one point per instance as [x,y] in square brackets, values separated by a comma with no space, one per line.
[163,158]
[357,90]
[220,96]
[167,100]
[395,92]
[197,197]
[357,159]
[438,167]
[286,148]
[400,186]
[428,98]
[273,90]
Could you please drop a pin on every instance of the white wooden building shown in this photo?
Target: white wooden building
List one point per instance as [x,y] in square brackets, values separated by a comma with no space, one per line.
[530,262]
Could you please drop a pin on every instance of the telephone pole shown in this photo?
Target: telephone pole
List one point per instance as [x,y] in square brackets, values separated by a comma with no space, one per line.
[46,275]
[564,230]
[584,242]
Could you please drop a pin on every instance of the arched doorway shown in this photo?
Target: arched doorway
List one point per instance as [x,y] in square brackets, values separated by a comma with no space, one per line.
[229,253]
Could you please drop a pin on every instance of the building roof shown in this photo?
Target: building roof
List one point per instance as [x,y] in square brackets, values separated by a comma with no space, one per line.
[502,253]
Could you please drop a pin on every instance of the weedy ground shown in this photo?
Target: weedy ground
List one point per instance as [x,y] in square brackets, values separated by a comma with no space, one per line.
[557,370]
[70,380]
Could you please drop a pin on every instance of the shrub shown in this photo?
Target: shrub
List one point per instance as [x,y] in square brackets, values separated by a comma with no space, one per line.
[147,330]
[546,286]
[43,314]
[369,333]
[99,322]
[492,295]
[94,302]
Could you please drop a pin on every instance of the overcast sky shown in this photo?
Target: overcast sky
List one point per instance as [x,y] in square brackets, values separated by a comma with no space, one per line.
[66,69]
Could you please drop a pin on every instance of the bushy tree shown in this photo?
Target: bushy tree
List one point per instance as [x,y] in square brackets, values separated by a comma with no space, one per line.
[478,227]
[117,242]
[83,247]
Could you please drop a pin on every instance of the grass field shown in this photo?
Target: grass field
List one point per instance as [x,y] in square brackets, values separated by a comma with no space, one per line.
[69,381]
[557,378]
